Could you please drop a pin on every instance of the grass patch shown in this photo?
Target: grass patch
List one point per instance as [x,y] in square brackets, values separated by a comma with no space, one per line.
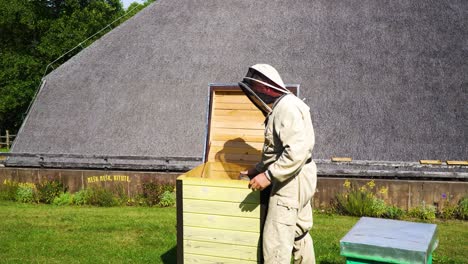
[70,234]
[4,150]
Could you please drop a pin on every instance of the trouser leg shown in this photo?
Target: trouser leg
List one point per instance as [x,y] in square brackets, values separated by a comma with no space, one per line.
[303,251]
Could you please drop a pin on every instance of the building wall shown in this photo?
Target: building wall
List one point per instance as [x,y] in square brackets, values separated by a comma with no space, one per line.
[403,193]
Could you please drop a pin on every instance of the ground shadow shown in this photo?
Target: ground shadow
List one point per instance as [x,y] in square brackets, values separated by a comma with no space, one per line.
[170,256]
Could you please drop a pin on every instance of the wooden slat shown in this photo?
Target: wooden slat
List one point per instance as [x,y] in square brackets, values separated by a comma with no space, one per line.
[233,158]
[246,210]
[246,150]
[222,222]
[220,166]
[221,236]
[235,99]
[252,113]
[457,162]
[239,124]
[259,119]
[214,182]
[235,106]
[200,259]
[238,132]
[431,162]
[235,138]
[341,159]
[237,144]
[234,175]
[226,194]
[220,250]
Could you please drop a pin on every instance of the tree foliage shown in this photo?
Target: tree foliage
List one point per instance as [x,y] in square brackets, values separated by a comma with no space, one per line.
[35,33]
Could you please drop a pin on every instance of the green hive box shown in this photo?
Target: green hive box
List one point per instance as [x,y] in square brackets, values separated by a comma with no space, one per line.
[219,219]
[375,240]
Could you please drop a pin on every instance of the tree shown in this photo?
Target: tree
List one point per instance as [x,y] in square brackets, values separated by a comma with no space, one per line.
[35,33]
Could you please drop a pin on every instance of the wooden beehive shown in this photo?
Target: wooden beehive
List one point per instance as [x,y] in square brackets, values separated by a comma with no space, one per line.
[218,217]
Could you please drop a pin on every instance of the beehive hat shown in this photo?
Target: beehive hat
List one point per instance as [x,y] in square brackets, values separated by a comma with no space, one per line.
[272,74]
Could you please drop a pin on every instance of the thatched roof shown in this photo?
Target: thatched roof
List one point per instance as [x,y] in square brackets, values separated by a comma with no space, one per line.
[384,80]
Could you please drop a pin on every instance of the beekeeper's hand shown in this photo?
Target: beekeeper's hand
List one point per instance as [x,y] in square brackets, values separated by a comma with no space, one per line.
[248,174]
[259,182]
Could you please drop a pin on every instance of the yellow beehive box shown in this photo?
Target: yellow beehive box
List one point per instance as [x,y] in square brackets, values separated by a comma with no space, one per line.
[218,217]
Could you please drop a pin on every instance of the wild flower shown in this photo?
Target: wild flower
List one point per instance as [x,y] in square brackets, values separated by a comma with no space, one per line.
[383,190]
[371,184]
[347,184]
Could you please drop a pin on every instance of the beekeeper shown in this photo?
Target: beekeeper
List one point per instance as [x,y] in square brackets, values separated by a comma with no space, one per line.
[286,166]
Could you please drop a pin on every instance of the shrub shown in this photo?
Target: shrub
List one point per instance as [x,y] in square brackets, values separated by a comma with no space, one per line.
[81,197]
[63,199]
[100,196]
[152,192]
[120,194]
[423,212]
[359,201]
[25,194]
[393,212]
[167,199]
[462,209]
[8,190]
[448,212]
[48,190]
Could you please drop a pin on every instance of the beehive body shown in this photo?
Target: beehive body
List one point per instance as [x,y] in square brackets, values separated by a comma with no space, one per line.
[218,217]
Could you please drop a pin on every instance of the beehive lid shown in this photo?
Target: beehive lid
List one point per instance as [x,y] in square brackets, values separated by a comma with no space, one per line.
[390,241]
[235,129]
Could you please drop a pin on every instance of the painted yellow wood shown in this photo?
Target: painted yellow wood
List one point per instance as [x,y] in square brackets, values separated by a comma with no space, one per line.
[246,149]
[221,250]
[195,172]
[235,138]
[457,162]
[236,144]
[242,209]
[222,112]
[248,118]
[234,98]
[221,236]
[235,106]
[341,159]
[237,132]
[254,125]
[232,157]
[431,162]
[201,259]
[234,175]
[225,194]
[219,166]
[187,180]
[222,222]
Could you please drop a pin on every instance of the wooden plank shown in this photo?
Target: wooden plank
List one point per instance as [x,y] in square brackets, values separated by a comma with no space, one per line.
[457,162]
[241,209]
[233,158]
[201,259]
[234,175]
[237,132]
[214,182]
[234,99]
[235,138]
[222,222]
[237,144]
[255,125]
[221,250]
[219,166]
[235,106]
[246,149]
[250,118]
[253,113]
[431,162]
[226,194]
[221,236]
[341,159]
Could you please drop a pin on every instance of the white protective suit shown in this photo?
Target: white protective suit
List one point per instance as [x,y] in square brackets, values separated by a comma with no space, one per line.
[287,160]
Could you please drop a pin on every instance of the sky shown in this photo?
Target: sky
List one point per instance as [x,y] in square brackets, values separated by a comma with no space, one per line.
[126,3]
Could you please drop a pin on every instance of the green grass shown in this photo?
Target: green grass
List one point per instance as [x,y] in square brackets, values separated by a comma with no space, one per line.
[4,150]
[52,234]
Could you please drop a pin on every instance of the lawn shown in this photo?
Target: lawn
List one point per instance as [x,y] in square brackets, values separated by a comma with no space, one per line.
[4,150]
[45,233]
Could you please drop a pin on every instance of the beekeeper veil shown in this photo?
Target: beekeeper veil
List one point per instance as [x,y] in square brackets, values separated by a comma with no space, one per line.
[266,75]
